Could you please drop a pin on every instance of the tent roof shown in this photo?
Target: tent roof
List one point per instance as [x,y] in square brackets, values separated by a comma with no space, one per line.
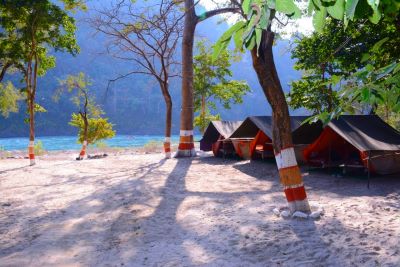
[217,128]
[366,132]
[302,134]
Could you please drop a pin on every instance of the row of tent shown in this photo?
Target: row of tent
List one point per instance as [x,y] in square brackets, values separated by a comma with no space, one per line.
[350,141]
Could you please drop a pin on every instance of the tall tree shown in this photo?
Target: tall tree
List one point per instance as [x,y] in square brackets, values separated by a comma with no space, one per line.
[212,83]
[255,32]
[146,35]
[38,25]
[186,144]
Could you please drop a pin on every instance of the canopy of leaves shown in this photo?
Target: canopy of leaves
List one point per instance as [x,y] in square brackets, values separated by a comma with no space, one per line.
[78,86]
[9,97]
[211,81]
[336,54]
[31,27]
[99,128]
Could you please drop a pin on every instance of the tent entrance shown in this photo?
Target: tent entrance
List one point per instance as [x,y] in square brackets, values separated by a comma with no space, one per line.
[331,150]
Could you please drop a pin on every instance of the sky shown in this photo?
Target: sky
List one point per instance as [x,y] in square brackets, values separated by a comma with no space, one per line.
[303,25]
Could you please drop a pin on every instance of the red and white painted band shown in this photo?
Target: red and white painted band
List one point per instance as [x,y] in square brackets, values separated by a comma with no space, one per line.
[167,140]
[293,186]
[186,132]
[286,158]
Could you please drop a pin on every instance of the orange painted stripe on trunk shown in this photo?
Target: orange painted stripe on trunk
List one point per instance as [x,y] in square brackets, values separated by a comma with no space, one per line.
[290,175]
[167,145]
[31,150]
[31,156]
[186,146]
[299,193]
[186,139]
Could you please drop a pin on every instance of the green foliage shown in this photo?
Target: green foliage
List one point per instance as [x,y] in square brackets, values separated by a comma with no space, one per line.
[211,83]
[335,55]
[313,94]
[9,97]
[38,148]
[203,120]
[78,86]
[99,128]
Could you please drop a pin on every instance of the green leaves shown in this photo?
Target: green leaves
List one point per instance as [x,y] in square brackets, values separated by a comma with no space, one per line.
[320,19]
[288,7]
[337,10]
[225,39]
[351,8]
[212,84]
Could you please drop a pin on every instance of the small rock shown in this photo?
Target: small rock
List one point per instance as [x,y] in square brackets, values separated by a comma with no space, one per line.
[276,212]
[285,213]
[299,214]
[316,214]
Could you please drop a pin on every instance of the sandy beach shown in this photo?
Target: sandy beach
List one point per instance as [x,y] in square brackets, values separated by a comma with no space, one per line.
[142,210]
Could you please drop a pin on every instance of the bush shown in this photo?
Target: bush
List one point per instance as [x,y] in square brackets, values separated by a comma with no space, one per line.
[99,128]
[38,148]
[153,146]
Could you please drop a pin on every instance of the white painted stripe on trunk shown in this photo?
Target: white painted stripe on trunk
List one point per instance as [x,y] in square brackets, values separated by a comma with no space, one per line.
[292,206]
[31,143]
[32,162]
[167,139]
[186,132]
[168,155]
[286,158]
[85,143]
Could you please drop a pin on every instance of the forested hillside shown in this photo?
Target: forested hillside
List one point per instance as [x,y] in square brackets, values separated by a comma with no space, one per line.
[135,104]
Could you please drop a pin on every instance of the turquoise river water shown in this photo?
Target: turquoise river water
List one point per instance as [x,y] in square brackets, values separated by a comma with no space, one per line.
[70,142]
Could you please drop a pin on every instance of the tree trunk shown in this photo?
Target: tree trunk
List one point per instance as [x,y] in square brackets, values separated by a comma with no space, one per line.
[31,149]
[203,114]
[168,118]
[186,144]
[85,137]
[289,171]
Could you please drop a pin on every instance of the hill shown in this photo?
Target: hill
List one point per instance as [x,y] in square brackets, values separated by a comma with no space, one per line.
[135,104]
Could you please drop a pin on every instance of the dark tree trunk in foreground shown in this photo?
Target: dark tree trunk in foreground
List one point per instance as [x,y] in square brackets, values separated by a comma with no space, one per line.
[289,171]
[186,143]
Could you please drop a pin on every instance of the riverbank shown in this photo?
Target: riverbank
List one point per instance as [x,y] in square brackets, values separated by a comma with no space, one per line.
[142,210]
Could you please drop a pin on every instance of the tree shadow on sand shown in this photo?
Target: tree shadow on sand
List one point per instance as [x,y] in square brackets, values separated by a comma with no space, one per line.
[133,220]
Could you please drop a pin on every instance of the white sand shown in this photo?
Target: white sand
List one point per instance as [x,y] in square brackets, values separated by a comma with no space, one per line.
[142,210]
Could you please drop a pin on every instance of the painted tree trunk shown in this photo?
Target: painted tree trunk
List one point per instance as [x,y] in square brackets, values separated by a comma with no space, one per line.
[31,147]
[186,143]
[289,171]
[168,119]
[85,142]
